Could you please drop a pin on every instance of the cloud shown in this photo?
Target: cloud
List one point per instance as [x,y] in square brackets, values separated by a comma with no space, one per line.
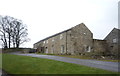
[48,17]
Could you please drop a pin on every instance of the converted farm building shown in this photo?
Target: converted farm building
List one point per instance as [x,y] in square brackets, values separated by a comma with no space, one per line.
[76,40]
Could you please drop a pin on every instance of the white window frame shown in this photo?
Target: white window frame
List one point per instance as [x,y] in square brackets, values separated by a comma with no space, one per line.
[53,39]
[114,40]
[46,41]
[84,33]
[52,49]
[61,36]
[62,49]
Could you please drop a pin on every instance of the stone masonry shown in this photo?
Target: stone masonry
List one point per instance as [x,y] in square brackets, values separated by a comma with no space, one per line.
[112,40]
[77,40]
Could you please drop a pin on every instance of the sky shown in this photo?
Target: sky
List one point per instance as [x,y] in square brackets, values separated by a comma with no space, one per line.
[48,17]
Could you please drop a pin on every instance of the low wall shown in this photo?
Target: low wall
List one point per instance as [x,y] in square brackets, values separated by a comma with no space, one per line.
[100,46]
[22,50]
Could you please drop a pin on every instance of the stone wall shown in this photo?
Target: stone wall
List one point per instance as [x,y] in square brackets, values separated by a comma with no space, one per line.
[55,45]
[81,38]
[100,47]
[22,50]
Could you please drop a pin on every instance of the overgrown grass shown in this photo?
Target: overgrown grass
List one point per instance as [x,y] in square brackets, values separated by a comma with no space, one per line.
[80,57]
[15,64]
[86,57]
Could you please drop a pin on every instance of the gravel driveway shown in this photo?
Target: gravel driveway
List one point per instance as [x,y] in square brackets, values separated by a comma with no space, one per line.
[111,66]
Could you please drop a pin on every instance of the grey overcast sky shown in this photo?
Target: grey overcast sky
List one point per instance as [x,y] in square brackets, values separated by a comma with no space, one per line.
[48,17]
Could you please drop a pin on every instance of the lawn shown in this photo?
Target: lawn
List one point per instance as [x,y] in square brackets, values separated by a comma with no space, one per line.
[15,64]
[0,60]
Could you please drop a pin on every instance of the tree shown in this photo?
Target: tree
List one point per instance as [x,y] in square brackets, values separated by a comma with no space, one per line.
[3,37]
[8,23]
[19,34]
[12,32]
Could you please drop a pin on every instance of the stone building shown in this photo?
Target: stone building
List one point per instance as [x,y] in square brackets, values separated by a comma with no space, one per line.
[112,40]
[76,40]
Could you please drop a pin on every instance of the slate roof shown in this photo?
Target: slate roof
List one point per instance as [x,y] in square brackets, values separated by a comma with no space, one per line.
[58,33]
[53,35]
[114,29]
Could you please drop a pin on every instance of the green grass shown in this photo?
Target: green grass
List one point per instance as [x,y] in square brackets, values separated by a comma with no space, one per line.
[80,57]
[15,64]
[86,57]
[0,60]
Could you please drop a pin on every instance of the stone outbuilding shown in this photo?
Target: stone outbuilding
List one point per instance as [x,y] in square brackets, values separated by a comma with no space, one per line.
[112,40]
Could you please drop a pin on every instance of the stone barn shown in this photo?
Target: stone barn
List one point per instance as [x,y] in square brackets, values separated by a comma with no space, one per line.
[76,40]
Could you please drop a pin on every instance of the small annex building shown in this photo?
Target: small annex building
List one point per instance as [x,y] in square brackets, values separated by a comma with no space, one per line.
[113,42]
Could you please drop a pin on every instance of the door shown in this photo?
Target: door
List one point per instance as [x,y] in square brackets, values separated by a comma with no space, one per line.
[46,50]
[62,49]
[52,49]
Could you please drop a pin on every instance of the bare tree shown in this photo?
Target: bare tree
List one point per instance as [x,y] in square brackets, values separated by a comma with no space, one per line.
[3,36]
[20,33]
[9,27]
[12,32]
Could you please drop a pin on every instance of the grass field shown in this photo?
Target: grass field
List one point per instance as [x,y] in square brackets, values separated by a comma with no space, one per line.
[0,60]
[80,57]
[86,57]
[15,64]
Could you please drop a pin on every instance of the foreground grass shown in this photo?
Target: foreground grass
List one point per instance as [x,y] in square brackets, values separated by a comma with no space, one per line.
[0,60]
[15,64]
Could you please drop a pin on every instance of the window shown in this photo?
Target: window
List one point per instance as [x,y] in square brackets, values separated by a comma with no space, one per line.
[61,36]
[52,49]
[47,41]
[44,42]
[53,39]
[88,49]
[62,48]
[46,50]
[84,33]
[115,40]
